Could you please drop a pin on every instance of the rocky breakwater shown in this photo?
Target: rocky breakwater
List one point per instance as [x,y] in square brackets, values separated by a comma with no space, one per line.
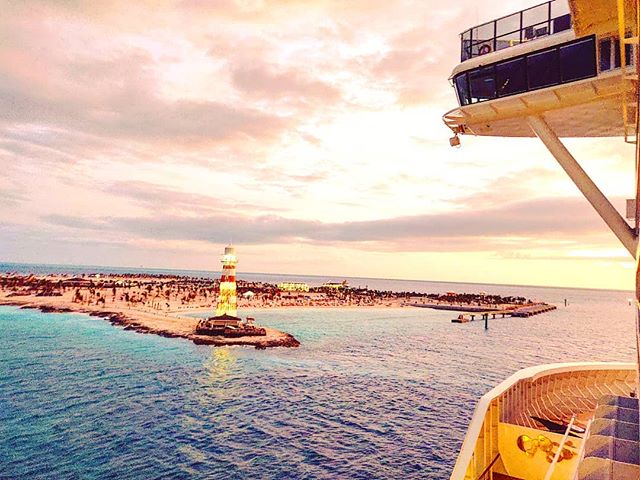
[230,330]
[271,338]
[164,326]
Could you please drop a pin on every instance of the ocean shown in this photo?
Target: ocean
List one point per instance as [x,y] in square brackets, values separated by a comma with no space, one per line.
[371,393]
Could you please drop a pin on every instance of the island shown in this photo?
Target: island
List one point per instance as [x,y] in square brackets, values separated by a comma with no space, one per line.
[163,304]
[134,302]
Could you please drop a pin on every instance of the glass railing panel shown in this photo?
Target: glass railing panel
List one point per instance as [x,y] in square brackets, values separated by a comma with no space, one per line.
[483,35]
[535,15]
[481,48]
[537,30]
[558,9]
[535,22]
[466,46]
[508,40]
[508,24]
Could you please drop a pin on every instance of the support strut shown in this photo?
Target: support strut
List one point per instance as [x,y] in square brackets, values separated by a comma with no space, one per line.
[592,193]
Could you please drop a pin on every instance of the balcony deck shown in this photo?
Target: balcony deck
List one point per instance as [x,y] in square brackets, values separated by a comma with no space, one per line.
[542,20]
[552,392]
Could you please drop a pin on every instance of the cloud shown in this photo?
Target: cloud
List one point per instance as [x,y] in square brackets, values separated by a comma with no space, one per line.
[314,123]
[138,116]
[159,198]
[287,85]
[515,221]
[115,92]
[11,196]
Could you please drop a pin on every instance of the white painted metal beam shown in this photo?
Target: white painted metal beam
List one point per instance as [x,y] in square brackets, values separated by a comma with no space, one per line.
[592,193]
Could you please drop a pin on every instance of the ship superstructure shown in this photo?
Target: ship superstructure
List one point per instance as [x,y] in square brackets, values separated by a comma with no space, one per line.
[558,69]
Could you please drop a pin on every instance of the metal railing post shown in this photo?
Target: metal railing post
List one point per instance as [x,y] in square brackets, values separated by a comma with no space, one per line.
[559,451]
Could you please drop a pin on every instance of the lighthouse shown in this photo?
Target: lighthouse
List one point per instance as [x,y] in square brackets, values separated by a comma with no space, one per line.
[227,300]
[226,323]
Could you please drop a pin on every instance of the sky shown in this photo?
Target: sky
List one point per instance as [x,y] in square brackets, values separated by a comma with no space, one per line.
[308,133]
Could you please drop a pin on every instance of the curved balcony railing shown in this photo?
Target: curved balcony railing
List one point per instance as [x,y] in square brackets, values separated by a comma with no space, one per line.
[509,401]
[545,19]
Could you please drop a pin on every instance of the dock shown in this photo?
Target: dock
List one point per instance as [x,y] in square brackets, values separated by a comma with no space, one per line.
[526,311]
[533,310]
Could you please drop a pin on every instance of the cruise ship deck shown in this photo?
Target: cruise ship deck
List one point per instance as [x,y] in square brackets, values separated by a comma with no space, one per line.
[558,69]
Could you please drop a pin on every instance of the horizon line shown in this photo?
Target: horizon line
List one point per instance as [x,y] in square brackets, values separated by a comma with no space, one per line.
[2,262]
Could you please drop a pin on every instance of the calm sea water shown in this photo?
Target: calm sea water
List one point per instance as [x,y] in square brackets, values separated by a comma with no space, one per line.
[373,393]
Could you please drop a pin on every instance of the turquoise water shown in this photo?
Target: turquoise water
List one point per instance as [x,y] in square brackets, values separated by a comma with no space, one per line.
[373,393]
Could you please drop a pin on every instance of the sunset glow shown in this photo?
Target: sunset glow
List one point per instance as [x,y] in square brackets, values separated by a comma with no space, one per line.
[307,133]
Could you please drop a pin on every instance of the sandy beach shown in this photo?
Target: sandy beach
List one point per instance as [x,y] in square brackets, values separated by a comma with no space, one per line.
[161,304]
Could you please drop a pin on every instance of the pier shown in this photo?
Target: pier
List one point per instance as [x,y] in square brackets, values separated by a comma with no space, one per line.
[526,311]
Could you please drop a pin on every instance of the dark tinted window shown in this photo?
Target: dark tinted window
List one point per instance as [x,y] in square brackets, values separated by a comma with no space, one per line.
[542,69]
[482,84]
[511,77]
[562,23]
[605,54]
[628,57]
[564,63]
[462,88]
[578,60]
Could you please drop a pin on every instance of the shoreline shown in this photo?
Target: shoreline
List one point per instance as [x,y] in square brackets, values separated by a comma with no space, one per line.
[145,323]
[168,306]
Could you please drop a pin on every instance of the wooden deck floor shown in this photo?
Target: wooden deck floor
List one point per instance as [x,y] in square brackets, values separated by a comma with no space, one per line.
[500,476]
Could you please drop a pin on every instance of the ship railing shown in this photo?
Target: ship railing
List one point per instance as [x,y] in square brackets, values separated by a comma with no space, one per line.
[502,403]
[545,19]
[556,457]
[583,447]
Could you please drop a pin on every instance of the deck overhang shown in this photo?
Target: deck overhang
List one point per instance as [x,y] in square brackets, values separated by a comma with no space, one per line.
[586,108]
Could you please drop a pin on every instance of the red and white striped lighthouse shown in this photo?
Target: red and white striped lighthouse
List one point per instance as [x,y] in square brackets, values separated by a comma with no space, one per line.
[227,299]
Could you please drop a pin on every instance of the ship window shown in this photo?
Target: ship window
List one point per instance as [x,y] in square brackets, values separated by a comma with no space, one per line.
[563,63]
[462,87]
[542,69]
[511,77]
[560,24]
[577,60]
[605,54]
[628,57]
[482,84]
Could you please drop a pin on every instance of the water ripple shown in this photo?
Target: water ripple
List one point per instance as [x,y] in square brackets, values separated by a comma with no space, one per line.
[370,394]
